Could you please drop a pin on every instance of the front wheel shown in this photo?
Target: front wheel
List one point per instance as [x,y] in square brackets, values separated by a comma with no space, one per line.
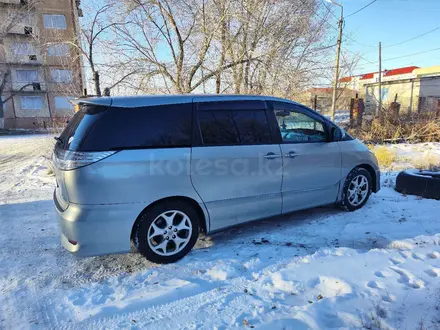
[357,189]
[167,231]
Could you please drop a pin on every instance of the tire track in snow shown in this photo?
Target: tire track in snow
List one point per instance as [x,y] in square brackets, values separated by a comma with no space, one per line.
[169,311]
[206,293]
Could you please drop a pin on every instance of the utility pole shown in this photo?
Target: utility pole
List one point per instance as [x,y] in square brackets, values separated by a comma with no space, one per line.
[338,53]
[380,79]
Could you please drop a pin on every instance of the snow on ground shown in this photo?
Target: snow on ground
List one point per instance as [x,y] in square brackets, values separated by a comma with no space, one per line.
[378,267]
[410,151]
[341,116]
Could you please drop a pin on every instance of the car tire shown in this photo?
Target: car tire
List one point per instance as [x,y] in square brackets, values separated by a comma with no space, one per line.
[355,196]
[163,235]
[423,183]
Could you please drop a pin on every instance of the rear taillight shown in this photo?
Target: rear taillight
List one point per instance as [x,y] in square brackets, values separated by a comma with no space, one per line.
[67,160]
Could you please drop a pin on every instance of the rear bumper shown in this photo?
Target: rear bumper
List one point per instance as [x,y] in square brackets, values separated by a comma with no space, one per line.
[91,230]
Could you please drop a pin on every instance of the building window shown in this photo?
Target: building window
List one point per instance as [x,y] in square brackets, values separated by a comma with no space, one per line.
[62,102]
[28,30]
[58,50]
[54,21]
[61,76]
[3,107]
[31,102]
[27,76]
[23,48]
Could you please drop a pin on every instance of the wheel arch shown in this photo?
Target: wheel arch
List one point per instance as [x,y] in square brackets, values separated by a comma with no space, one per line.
[373,174]
[203,216]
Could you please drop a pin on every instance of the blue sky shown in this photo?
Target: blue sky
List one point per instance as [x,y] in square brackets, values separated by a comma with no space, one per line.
[392,21]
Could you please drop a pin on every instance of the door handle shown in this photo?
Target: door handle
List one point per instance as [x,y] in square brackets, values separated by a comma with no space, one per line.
[291,154]
[271,155]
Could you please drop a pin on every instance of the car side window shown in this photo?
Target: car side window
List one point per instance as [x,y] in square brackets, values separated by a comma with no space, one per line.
[252,127]
[297,127]
[162,126]
[234,127]
[217,128]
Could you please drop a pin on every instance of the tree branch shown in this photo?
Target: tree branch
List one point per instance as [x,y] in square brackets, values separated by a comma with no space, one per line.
[223,68]
[13,93]
[122,79]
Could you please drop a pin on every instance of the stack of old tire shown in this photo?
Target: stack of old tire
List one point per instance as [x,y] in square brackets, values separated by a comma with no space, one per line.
[420,183]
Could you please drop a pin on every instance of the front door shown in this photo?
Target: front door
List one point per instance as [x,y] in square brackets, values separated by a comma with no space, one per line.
[236,169]
[311,163]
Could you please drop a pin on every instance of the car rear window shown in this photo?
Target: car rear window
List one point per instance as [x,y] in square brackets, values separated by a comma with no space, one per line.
[79,126]
[97,128]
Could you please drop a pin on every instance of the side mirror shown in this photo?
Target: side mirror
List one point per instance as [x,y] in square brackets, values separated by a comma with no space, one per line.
[337,133]
[342,133]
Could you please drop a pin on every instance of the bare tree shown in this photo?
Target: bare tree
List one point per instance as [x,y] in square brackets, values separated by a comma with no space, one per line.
[175,40]
[349,61]
[241,46]
[273,50]
[348,65]
[93,43]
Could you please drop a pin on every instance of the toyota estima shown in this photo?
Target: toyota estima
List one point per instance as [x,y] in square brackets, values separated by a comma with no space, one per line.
[157,170]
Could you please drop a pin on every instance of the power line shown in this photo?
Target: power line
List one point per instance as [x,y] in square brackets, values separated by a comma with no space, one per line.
[335,28]
[363,58]
[345,36]
[330,11]
[359,43]
[408,55]
[405,41]
[414,38]
[357,11]
[426,51]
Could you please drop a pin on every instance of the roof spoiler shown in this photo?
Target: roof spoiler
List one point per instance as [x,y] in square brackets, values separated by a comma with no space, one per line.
[103,101]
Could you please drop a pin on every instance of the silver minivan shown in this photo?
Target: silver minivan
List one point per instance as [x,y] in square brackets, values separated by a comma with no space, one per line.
[157,170]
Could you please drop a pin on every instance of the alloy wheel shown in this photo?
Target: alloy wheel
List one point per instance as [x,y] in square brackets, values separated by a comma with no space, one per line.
[358,190]
[169,233]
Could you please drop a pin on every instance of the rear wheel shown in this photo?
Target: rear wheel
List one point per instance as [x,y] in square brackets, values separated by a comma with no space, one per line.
[167,231]
[357,189]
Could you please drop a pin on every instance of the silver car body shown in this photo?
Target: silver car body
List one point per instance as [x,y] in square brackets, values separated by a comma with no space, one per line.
[98,204]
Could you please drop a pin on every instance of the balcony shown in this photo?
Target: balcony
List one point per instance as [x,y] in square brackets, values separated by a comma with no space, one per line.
[36,87]
[34,59]
[14,2]
[24,30]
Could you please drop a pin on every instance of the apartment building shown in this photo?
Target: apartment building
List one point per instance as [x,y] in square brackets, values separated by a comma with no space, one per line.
[44,69]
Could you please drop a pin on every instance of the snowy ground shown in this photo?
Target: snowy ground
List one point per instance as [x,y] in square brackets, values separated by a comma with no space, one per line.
[341,116]
[376,268]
